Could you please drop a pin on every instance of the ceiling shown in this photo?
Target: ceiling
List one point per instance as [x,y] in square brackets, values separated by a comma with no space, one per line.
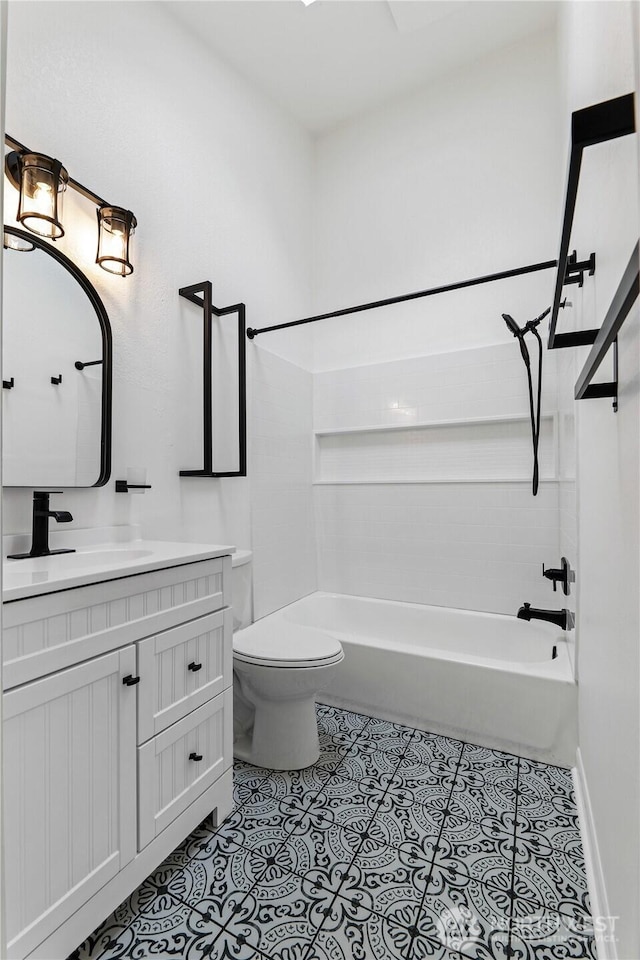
[328,61]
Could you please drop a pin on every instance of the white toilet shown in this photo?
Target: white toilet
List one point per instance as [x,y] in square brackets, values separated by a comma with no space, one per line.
[278,667]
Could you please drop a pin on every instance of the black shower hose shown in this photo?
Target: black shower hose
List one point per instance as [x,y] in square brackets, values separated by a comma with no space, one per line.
[535,411]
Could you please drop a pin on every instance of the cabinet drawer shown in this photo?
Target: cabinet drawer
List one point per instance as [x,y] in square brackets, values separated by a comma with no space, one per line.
[181,669]
[48,633]
[168,779]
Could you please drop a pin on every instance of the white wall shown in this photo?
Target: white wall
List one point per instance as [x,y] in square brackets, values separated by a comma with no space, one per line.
[457,181]
[471,534]
[220,181]
[3,63]
[598,58]
[282,522]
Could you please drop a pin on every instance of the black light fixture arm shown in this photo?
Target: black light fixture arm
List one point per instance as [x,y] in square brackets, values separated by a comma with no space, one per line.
[77,186]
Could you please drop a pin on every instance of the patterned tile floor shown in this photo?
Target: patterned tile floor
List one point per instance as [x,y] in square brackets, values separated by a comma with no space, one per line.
[396,845]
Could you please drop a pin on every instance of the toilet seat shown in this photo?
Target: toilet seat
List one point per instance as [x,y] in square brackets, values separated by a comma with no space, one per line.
[283,645]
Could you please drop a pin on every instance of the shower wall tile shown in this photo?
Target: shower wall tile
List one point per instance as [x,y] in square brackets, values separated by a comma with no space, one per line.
[484,382]
[282,521]
[475,545]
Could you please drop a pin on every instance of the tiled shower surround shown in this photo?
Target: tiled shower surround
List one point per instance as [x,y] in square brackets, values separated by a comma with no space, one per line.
[397,845]
[452,539]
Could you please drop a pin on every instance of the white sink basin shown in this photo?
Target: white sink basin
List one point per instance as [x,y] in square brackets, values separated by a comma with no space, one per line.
[94,564]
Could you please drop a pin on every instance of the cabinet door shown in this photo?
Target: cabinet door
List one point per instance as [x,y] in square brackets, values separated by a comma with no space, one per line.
[69,792]
[181,669]
[181,762]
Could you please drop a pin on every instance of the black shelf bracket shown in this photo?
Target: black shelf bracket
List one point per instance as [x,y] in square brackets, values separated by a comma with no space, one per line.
[202,295]
[576,270]
[596,124]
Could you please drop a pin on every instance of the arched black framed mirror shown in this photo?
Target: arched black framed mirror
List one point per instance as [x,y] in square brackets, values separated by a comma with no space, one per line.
[57,369]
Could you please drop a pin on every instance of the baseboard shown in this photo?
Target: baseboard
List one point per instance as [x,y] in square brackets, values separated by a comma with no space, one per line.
[595,877]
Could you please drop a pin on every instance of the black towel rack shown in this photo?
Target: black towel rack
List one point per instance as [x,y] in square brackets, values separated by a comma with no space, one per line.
[623,299]
[202,295]
[595,124]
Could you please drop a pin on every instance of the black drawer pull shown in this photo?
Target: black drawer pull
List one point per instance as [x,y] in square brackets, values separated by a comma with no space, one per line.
[195,756]
[130,681]
[194,666]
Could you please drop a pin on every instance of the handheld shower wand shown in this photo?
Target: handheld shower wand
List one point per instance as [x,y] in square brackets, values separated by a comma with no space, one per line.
[519,333]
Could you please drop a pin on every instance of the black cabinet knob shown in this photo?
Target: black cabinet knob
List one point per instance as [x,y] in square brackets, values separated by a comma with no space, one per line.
[195,756]
[194,666]
[130,681]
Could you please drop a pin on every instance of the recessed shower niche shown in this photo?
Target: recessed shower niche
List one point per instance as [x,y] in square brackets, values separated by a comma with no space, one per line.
[56,345]
[449,451]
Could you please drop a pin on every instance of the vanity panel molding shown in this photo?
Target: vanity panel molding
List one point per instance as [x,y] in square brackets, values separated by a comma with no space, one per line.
[183,668]
[118,737]
[181,762]
[50,632]
[69,793]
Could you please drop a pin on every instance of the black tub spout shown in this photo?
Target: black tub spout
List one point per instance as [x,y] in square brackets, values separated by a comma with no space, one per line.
[562,618]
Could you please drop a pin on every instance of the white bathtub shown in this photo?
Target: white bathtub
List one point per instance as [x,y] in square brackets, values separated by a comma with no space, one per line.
[486,678]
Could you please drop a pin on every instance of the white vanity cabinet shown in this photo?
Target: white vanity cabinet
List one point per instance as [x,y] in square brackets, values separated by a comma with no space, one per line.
[117,741]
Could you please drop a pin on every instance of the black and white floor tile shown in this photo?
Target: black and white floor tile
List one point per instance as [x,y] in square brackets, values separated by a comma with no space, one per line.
[397,845]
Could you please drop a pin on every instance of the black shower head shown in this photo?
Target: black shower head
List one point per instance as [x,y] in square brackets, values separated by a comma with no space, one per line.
[517,332]
[512,325]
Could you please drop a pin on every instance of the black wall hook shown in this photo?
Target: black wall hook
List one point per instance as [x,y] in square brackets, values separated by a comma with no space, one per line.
[8,384]
[80,365]
[57,380]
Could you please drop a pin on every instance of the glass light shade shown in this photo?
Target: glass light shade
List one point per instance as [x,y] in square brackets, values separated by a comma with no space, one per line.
[115,227]
[19,244]
[43,181]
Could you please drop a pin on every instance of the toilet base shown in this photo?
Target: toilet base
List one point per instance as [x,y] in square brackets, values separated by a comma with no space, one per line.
[284,735]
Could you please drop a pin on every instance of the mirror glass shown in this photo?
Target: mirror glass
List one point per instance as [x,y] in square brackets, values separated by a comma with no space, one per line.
[56,418]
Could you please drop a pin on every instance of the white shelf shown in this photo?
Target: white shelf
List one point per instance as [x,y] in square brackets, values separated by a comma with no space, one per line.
[425,424]
[447,480]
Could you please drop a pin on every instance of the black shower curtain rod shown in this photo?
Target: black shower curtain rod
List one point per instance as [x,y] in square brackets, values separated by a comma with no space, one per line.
[503,275]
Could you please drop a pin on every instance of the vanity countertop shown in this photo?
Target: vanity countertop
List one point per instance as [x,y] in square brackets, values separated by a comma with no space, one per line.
[96,563]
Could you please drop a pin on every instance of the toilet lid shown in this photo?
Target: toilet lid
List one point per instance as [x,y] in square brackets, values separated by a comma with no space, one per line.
[283,644]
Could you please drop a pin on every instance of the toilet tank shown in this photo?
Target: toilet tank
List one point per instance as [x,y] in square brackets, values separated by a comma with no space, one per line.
[241,587]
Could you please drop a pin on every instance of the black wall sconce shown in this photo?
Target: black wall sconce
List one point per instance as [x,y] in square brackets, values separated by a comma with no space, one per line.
[41,182]
[115,227]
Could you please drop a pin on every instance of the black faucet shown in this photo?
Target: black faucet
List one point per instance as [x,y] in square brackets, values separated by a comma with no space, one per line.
[564,575]
[40,529]
[562,618]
